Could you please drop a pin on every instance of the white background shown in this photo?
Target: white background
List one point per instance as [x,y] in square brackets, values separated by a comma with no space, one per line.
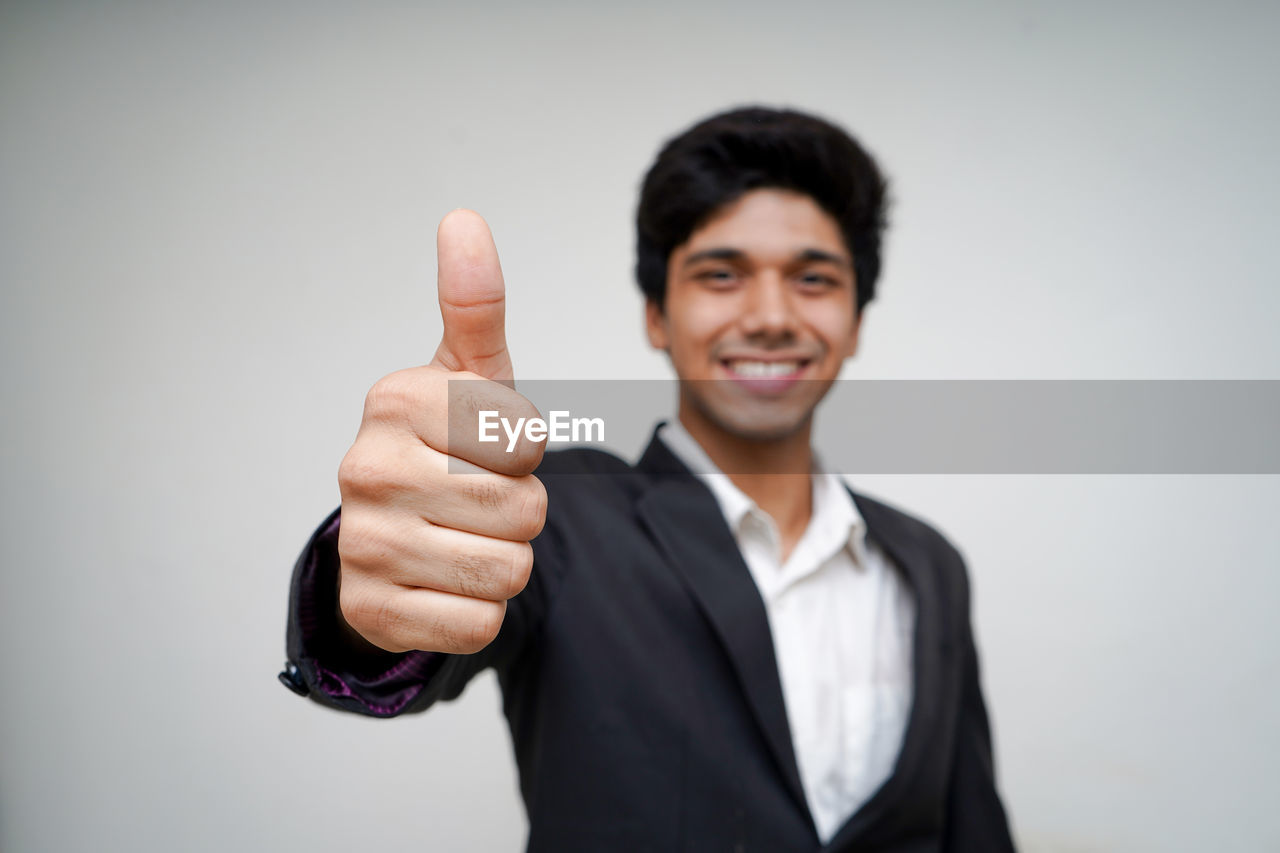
[217,230]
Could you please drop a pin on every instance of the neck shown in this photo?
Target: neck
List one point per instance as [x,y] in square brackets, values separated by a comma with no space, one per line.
[775,472]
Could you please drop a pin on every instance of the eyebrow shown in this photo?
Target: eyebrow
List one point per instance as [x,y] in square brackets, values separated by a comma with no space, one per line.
[727,254]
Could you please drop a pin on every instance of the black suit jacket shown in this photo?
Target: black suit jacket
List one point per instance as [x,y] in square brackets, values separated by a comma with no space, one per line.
[641,687]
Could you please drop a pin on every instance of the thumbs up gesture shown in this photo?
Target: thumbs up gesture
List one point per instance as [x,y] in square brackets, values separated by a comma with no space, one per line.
[435,536]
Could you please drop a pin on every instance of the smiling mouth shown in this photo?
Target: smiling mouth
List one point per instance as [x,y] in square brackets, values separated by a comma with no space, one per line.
[744,368]
[752,369]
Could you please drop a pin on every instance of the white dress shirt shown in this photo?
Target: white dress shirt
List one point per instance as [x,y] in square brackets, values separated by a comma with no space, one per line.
[842,619]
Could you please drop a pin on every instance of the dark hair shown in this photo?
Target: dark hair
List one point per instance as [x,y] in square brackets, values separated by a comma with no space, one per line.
[721,158]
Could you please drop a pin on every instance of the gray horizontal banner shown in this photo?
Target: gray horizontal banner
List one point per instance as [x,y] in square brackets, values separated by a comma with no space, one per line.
[925,426]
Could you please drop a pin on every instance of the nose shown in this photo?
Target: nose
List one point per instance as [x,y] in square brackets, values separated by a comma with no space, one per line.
[769,311]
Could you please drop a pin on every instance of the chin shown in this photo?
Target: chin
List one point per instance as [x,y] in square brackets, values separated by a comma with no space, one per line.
[758,423]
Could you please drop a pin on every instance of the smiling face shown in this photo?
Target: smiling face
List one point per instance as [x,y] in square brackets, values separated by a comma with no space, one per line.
[759,316]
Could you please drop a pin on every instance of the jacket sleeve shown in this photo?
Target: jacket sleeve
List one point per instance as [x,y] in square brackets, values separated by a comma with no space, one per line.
[976,819]
[325,667]
[323,664]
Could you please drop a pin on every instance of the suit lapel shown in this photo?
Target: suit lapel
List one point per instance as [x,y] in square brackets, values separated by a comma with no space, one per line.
[891,532]
[683,517]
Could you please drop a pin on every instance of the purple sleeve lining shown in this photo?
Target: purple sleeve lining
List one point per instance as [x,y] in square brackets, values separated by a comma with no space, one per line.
[384,690]
[332,684]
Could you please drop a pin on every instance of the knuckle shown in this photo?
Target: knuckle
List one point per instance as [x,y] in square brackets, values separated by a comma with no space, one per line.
[350,470]
[368,543]
[376,471]
[390,397]
[484,628]
[361,472]
[531,512]
[355,542]
[349,604]
[521,569]
[527,455]
[391,621]
[363,611]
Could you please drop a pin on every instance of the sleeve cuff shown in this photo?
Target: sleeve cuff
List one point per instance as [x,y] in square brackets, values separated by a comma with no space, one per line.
[322,664]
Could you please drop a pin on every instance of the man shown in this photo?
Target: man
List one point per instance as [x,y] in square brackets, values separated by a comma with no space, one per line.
[722,647]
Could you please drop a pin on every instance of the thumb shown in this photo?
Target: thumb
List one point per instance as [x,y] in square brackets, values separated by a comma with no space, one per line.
[472,299]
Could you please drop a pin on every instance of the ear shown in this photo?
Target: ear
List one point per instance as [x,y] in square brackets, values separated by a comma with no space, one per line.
[655,325]
[851,345]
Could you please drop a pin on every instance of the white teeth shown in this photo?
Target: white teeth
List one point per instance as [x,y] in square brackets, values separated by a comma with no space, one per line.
[764,369]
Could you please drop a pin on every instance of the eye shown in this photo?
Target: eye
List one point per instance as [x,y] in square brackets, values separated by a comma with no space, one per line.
[717,279]
[817,281]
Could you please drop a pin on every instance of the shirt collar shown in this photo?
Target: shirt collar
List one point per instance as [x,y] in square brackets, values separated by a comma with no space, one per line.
[835,515]
[734,504]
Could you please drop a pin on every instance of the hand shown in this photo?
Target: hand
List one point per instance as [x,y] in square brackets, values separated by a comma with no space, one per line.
[429,556]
